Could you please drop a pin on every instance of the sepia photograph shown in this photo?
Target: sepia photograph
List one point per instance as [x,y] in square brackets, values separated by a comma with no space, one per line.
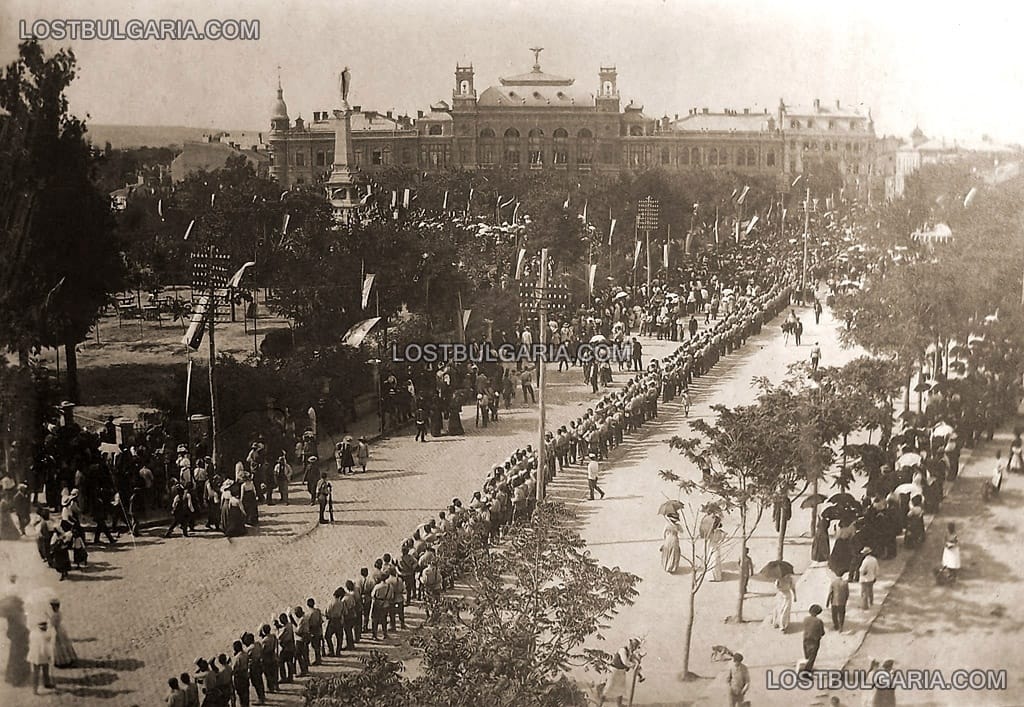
[511,353]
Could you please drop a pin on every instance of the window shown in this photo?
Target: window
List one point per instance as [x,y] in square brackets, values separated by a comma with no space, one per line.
[751,157]
[636,131]
[300,180]
[695,155]
[828,147]
[406,155]
[584,147]
[666,156]
[320,158]
[769,158]
[464,153]
[561,153]
[330,157]
[434,130]
[377,156]
[536,140]
[831,125]
[485,153]
[464,87]
[358,156]
[794,124]
[434,156]
[486,133]
[856,147]
[607,154]
[607,88]
[300,159]
[713,157]
[684,156]
[511,155]
[741,157]
[810,123]
[639,155]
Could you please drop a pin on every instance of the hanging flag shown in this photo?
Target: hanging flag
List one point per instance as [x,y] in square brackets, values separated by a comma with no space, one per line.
[689,243]
[733,195]
[799,177]
[665,255]
[197,325]
[394,214]
[284,226]
[366,198]
[405,199]
[716,226]
[519,262]
[212,197]
[236,279]
[284,194]
[465,318]
[750,225]
[784,212]
[590,278]
[636,253]
[160,208]
[970,196]
[566,204]
[469,201]
[736,230]
[367,286]
[611,230]
[188,385]
[354,336]
[743,195]
[255,197]
[585,204]
[394,198]
[515,212]
[770,207]
[188,231]
[503,205]
[445,205]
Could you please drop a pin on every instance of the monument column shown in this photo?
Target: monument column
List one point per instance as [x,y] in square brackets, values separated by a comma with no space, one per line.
[342,186]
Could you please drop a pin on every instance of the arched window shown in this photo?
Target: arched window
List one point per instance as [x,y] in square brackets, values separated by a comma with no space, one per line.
[585,147]
[464,87]
[751,157]
[769,158]
[713,157]
[684,156]
[511,153]
[666,155]
[536,140]
[695,155]
[486,133]
[434,130]
[636,131]
[561,153]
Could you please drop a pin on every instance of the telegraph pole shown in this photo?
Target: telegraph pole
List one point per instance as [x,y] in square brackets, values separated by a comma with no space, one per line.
[542,312]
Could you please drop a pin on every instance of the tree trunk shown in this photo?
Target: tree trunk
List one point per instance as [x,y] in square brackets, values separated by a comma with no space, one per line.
[71,362]
[743,555]
[814,508]
[782,534]
[689,624]
[906,391]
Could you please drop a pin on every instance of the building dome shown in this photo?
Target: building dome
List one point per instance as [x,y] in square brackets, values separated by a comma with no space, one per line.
[280,110]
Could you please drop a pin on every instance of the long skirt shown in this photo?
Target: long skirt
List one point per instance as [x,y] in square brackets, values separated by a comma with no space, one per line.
[951,557]
[670,555]
[436,423]
[617,684]
[783,609]
[234,521]
[250,508]
[455,422]
[839,559]
[60,558]
[64,655]
[819,547]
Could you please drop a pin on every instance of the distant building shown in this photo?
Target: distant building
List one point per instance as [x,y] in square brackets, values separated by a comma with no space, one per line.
[212,154]
[541,121]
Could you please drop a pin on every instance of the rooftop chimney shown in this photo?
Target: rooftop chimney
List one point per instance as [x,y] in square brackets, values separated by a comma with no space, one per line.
[837,104]
[817,104]
[746,111]
[419,114]
[705,111]
[357,109]
[389,114]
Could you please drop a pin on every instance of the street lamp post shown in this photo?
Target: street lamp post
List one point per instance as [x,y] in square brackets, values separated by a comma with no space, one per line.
[808,206]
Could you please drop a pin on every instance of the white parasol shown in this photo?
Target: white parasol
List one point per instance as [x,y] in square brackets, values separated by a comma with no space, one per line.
[908,459]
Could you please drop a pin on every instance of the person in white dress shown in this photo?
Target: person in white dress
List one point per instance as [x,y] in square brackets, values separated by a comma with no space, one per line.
[951,551]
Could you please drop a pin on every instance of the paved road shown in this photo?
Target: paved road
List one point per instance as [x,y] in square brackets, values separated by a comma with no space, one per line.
[144,611]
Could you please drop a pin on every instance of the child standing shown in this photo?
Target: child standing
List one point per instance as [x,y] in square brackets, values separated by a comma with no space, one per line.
[40,655]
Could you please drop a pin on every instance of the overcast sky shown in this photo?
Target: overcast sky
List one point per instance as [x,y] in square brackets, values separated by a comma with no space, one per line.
[957,69]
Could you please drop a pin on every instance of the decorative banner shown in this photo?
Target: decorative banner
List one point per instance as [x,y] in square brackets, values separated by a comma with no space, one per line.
[405,199]
[796,180]
[769,216]
[284,228]
[197,326]
[160,208]
[784,212]
[743,195]
[469,201]
[367,286]
[354,336]
[566,204]
[636,253]
[750,225]
[717,240]
[736,231]
[284,194]
[237,277]
[394,214]
[366,197]
[188,231]
[665,249]
[970,196]
[465,318]
[689,243]
[445,205]
[212,197]
[503,205]
[394,198]
[255,197]
[585,203]
[519,263]
[611,230]
[590,279]
[188,385]
[515,213]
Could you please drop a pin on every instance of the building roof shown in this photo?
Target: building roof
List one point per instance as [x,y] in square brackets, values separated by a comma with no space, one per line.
[832,111]
[536,78]
[563,95]
[721,122]
[280,109]
[209,156]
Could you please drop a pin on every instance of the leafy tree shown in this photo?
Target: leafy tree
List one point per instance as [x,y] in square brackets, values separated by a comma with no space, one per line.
[62,258]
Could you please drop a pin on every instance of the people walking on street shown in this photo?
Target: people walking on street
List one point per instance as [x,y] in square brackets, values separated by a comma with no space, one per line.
[324,497]
[526,382]
[738,681]
[815,357]
[817,311]
[838,596]
[814,631]
[670,546]
[951,553]
[181,511]
[868,575]
[785,595]
[64,655]
[40,656]
[626,660]
[593,473]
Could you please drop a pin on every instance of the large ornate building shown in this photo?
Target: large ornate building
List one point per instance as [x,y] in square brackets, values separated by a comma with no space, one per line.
[540,121]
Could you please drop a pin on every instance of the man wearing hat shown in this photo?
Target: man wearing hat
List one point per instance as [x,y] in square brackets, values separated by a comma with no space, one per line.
[814,631]
[311,476]
[738,680]
[868,575]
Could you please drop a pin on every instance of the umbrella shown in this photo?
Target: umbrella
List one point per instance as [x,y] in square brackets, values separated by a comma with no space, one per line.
[908,459]
[670,507]
[599,340]
[837,513]
[776,569]
[922,387]
[843,499]
[942,430]
[912,489]
[813,500]
[620,295]
[957,351]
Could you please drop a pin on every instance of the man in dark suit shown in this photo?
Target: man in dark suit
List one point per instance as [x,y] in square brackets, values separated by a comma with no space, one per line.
[814,631]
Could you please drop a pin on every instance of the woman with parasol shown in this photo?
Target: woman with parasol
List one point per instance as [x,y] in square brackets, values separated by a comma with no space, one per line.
[785,595]
[670,547]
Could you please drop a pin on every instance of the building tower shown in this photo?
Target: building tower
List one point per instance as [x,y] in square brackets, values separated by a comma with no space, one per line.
[342,188]
[278,128]
[464,94]
[607,99]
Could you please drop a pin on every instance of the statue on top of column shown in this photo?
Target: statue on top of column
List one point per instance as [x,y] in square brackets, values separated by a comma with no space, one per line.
[344,84]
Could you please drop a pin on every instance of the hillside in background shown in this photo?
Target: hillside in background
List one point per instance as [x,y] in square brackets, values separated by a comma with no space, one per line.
[129,136]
